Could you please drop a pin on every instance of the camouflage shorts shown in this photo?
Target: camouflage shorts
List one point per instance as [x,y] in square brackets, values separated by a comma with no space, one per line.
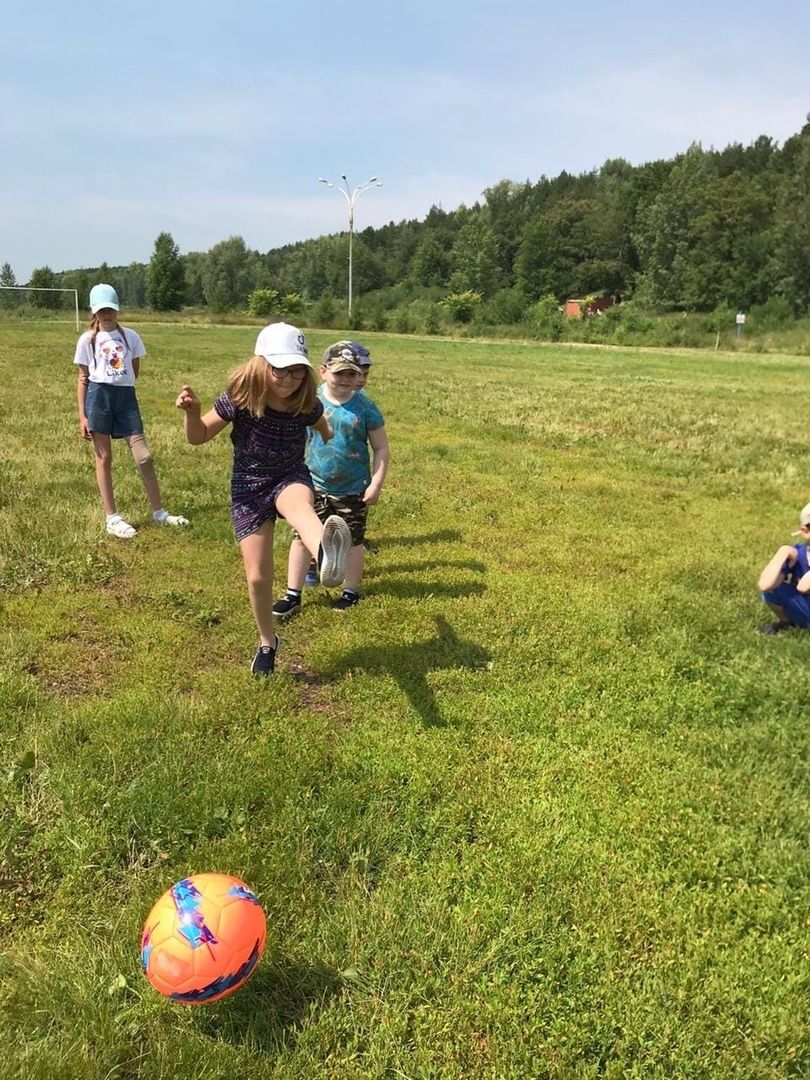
[350,507]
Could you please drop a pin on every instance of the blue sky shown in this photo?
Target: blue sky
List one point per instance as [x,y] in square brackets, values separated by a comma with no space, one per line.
[211,119]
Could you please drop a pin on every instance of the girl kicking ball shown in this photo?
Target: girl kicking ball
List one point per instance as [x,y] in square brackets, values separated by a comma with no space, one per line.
[270,401]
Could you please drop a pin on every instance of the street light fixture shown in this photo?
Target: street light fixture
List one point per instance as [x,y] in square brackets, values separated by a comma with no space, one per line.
[351,195]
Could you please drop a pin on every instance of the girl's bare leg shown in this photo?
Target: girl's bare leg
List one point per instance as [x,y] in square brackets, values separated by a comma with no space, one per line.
[102,446]
[295,504]
[257,556]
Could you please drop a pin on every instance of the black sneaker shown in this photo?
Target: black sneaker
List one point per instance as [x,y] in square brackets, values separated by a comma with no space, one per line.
[334,550]
[286,605]
[372,549]
[347,600]
[774,627]
[265,659]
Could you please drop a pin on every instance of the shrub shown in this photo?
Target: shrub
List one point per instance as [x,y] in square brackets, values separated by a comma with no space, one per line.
[292,305]
[722,318]
[462,306]
[775,314]
[401,321]
[546,319]
[325,311]
[631,318]
[262,303]
[433,320]
[506,307]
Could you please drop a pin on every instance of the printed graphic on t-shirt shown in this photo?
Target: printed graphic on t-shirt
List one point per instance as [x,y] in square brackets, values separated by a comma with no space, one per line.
[113,353]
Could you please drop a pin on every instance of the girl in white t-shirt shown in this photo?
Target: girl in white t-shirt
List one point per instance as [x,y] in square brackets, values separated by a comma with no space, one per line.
[108,357]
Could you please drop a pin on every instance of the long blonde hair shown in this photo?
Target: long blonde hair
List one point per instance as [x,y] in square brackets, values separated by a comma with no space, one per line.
[249,387]
[94,328]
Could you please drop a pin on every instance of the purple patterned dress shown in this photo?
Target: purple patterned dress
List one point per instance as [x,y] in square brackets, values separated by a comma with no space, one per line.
[268,455]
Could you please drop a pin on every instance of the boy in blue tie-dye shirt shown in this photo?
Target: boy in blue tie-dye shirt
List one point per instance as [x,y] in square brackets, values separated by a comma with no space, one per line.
[347,480]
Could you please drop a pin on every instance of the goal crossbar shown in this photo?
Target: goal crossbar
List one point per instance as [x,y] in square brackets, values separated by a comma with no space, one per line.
[45,288]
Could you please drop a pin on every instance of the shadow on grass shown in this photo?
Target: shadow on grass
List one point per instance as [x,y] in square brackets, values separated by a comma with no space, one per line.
[273,1003]
[422,589]
[441,535]
[434,564]
[408,666]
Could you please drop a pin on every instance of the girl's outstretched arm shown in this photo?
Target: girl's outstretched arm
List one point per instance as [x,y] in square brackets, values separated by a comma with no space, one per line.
[199,429]
[323,428]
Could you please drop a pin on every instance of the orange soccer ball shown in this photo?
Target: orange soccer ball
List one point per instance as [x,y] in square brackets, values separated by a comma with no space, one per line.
[203,938]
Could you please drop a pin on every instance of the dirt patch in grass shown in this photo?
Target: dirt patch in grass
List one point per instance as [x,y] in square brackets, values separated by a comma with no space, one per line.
[78,663]
[310,686]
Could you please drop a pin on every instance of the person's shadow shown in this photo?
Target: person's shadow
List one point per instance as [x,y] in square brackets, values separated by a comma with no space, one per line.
[271,1005]
[447,535]
[408,665]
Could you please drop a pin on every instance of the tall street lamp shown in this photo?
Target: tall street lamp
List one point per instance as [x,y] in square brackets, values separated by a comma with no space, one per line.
[351,195]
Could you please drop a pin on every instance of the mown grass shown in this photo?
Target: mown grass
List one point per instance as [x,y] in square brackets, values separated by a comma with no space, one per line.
[536,808]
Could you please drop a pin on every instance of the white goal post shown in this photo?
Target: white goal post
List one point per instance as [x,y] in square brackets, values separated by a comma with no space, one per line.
[43,288]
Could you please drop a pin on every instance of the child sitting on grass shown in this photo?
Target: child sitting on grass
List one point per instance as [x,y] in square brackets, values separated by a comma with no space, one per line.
[346,483]
[784,584]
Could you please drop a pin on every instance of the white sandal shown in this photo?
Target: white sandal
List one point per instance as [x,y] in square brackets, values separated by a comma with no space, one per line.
[116,526]
[171,519]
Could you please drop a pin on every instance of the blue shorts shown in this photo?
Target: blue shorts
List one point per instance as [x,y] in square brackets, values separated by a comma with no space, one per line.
[796,605]
[112,410]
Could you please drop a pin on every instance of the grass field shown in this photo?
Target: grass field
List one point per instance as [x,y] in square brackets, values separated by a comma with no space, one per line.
[537,808]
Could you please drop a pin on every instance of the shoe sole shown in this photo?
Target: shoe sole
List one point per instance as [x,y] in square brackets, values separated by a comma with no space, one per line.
[335,544]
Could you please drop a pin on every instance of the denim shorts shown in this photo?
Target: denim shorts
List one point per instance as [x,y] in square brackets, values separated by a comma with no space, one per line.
[112,410]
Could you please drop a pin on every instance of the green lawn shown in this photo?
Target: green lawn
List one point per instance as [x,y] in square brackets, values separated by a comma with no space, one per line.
[537,808]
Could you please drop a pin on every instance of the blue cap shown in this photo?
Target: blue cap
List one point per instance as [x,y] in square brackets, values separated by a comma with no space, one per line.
[103,296]
[363,355]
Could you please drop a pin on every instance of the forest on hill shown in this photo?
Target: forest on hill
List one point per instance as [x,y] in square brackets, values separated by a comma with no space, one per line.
[709,232]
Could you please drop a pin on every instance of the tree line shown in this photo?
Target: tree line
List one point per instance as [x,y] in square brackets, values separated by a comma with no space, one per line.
[705,230]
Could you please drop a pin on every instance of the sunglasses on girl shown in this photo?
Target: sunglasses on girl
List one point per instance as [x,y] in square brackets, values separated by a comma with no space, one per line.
[298,372]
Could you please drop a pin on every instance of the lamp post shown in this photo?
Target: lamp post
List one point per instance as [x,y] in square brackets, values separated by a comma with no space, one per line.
[351,195]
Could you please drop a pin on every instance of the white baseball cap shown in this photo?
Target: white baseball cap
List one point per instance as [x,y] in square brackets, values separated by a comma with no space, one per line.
[804,518]
[282,345]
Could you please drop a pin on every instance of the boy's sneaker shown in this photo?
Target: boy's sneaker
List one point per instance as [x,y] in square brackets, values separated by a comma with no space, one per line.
[287,604]
[347,600]
[334,550]
[265,659]
[372,549]
[774,627]
[312,575]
